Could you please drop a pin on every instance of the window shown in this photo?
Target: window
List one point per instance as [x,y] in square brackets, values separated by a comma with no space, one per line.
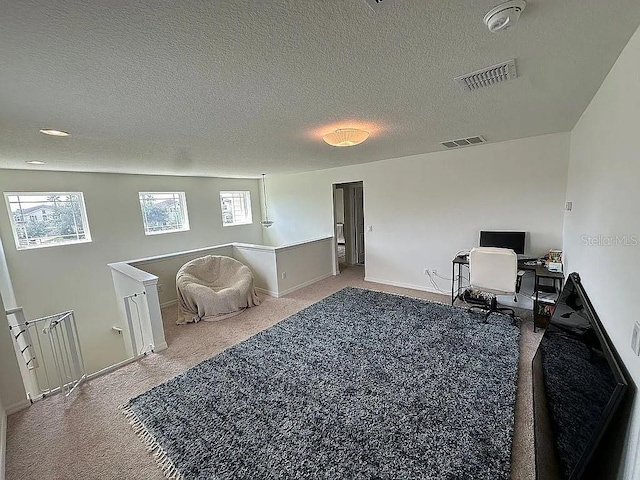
[236,208]
[164,212]
[47,219]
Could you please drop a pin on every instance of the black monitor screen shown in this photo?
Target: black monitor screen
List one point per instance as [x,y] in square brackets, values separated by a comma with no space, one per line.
[512,240]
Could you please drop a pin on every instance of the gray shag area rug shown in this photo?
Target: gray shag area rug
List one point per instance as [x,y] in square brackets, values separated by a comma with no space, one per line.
[360,385]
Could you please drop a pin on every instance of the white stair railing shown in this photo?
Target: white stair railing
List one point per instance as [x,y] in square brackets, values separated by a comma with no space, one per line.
[50,349]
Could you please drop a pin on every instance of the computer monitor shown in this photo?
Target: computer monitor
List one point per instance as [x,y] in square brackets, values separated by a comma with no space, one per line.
[512,240]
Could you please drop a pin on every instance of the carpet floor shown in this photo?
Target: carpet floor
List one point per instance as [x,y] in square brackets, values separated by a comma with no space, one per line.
[86,436]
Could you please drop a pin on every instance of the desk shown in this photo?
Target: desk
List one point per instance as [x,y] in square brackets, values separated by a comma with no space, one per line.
[464,260]
[539,319]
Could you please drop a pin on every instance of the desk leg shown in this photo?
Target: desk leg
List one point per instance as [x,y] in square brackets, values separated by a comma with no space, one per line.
[453,282]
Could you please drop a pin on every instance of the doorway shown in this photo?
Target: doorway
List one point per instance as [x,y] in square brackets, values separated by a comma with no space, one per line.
[348,210]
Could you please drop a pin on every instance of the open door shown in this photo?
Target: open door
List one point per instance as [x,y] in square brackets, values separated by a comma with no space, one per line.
[339,218]
[358,217]
[349,218]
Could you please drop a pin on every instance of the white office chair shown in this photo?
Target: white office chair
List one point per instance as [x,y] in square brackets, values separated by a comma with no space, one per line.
[494,271]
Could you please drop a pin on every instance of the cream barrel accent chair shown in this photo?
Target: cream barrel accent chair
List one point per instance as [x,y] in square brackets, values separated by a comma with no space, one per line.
[214,288]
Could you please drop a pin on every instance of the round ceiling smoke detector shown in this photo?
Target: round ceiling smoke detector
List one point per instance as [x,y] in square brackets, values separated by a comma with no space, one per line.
[504,15]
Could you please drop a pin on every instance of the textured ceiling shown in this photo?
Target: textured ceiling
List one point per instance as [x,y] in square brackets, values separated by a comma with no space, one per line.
[237,88]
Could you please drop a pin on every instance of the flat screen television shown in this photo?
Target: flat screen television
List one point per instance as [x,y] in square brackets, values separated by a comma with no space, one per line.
[512,240]
[578,384]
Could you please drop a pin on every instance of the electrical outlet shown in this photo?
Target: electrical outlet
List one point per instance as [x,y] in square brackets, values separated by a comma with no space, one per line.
[284,275]
[635,338]
[160,287]
[434,272]
[425,271]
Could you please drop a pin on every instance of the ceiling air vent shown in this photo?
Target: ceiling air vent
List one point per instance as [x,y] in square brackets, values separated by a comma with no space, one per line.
[464,142]
[488,76]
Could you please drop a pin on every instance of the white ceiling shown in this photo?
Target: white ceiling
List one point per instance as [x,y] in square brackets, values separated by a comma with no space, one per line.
[242,87]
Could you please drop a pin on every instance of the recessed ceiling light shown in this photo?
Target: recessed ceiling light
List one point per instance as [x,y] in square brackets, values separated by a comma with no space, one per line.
[54,133]
[35,162]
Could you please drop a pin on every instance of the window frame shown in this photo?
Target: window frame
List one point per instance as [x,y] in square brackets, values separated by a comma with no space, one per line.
[14,222]
[185,213]
[249,212]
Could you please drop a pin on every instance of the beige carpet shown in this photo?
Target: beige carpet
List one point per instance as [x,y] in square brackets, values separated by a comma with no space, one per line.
[86,437]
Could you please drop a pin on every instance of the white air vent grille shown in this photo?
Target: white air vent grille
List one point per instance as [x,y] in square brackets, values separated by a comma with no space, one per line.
[488,76]
[464,142]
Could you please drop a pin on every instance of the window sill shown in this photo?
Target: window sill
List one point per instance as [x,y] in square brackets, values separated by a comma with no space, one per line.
[237,224]
[150,234]
[62,244]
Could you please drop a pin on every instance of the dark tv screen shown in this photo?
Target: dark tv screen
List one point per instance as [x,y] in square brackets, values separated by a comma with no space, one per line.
[578,385]
[512,240]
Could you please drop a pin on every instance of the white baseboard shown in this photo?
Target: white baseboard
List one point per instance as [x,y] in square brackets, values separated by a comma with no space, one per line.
[160,347]
[422,288]
[305,284]
[3,443]
[113,367]
[271,293]
[116,366]
[18,406]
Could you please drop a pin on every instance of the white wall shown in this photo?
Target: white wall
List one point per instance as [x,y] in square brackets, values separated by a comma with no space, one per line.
[55,279]
[425,208]
[3,440]
[604,186]
[12,394]
[6,287]
[302,265]
[262,262]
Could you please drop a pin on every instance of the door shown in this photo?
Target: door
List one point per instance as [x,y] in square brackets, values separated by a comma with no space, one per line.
[340,224]
[358,210]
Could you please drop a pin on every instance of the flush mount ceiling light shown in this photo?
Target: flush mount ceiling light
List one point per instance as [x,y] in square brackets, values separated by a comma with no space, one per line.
[504,16]
[346,137]
[35,162]
[53,133]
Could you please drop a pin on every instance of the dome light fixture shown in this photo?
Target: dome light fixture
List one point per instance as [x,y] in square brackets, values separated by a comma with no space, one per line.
[346,137]
[504,16]
[54,133]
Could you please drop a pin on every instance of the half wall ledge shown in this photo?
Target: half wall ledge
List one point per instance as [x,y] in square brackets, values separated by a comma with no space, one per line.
[278,271]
